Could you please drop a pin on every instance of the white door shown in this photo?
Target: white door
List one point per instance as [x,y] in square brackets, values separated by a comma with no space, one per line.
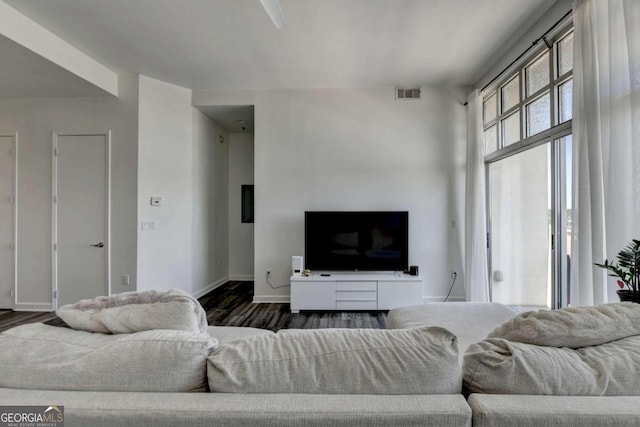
[7,219]
[81,220]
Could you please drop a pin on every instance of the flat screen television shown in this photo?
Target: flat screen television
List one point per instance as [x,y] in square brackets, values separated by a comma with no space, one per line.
[356,241]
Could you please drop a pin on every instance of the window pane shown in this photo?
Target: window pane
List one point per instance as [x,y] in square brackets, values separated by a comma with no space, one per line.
[520,228]
[565,217]
[537,74]
[510,94]
[491,139]
[510,128]
[565,54]
[565,100]
[490,109]
[539,115]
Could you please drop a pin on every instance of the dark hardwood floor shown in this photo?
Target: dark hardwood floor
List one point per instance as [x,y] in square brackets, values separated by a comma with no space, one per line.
[231,305]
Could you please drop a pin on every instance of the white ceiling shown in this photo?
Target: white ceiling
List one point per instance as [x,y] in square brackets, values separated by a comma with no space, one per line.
[232,44]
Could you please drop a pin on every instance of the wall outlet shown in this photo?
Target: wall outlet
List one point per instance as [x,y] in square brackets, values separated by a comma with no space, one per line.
[149,225]
[126,280]
[268,273]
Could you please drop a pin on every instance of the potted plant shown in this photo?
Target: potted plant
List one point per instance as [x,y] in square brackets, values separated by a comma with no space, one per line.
[627,270]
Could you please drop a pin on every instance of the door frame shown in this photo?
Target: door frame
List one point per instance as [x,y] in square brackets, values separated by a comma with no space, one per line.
[14,236]
[54,211]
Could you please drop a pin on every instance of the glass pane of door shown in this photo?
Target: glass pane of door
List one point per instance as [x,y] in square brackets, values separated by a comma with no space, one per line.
[565,220]
[520,188]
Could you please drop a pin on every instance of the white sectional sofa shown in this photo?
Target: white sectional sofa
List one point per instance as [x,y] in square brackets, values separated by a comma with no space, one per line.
[520,371]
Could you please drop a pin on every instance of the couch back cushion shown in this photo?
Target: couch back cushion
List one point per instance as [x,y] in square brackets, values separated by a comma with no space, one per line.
[136,311]
[339,361]
[573,327]
[499,366]
[38,356]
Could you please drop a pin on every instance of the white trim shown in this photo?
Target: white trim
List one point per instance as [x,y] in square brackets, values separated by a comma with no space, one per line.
[54,211]
[33,306]
[272,299]
[242,277]
[108,207]
[14,237]
[15,220]
[452,298]
[54,219]
[209,288]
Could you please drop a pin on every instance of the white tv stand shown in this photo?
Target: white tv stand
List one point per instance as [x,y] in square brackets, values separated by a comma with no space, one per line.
[354,291]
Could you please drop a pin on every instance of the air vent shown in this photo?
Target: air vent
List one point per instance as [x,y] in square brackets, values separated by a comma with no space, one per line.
[408,93]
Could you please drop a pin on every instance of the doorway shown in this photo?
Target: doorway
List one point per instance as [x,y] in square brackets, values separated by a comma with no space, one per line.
[81,206]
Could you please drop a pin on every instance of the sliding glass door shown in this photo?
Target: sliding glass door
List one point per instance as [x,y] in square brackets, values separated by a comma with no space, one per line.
[530,225]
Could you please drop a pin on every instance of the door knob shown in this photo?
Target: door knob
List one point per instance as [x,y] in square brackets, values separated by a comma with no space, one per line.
[98,245]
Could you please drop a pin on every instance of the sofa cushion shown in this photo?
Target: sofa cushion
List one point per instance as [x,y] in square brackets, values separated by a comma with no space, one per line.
[38,356]
[469,321]
[339,361]
[503,367]
[573,327]
[136,311]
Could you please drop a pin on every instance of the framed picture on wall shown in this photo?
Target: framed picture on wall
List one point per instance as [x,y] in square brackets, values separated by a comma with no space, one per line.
[247,203]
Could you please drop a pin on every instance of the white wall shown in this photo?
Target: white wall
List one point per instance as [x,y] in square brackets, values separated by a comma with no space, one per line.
[241,235]
[210,185]
[355,150]
[35,119]
[164,169]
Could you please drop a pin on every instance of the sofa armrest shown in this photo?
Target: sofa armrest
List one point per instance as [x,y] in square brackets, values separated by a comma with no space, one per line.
[497,410]
[217,409]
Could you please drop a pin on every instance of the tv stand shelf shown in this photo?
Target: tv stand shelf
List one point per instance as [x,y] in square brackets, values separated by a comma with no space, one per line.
[354,291]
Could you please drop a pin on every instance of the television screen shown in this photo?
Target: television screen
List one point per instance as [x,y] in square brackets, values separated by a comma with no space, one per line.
[356,241]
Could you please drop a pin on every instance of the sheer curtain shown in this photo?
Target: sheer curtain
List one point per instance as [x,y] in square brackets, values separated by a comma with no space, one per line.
[476,282]
[606,127]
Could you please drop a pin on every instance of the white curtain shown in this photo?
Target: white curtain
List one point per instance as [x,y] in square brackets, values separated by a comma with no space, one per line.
[606,128]
[476,282]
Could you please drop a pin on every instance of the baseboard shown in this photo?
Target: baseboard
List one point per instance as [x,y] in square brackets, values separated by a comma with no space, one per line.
[33,306]
[272,299]
[242,277]
[441,299]
[216,284]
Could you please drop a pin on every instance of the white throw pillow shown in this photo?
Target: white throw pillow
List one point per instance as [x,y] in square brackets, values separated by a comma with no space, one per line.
[136,311]
[339,361]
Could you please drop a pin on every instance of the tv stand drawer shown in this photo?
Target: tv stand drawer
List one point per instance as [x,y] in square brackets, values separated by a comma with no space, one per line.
[356,305]
[368,285]
[356,296]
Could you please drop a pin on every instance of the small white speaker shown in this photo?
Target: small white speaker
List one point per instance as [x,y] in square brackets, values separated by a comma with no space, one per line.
[297,265]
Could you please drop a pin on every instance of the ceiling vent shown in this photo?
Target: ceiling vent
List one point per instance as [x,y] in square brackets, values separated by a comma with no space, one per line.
[408,93]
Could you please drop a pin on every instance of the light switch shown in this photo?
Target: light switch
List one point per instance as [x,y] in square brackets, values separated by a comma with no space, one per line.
[156,201]
[149,225]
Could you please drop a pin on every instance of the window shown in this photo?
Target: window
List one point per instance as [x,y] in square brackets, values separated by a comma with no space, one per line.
[527,133]
[532,99]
